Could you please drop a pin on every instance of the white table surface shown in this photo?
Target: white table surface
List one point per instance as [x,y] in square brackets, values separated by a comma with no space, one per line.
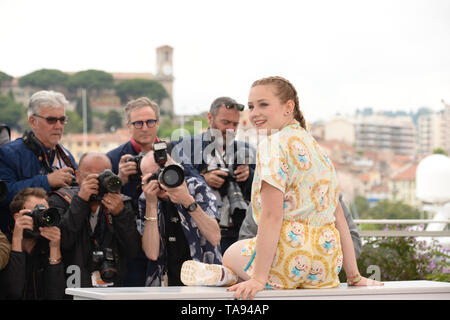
[390,290]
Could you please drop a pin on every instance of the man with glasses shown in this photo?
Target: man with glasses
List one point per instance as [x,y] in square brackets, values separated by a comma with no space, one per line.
[215,154]
[37,159]
[142,117]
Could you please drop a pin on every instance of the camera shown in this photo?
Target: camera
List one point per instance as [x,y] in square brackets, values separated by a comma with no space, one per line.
[171,176]
[106,262]
[235,214]
[3,190]
[43,217]
[137,159]
[108,182]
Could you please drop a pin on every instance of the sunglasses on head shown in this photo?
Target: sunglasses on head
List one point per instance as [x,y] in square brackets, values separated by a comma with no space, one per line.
[53,120]
[140,123]
[236,106]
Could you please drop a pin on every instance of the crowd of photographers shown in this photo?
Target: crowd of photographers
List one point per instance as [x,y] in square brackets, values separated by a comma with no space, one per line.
[130,217]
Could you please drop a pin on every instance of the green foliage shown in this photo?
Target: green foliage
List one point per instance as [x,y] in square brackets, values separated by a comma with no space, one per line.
[79,110]
[168,130]
[13,113]
[75,124]
[404,258]
[440,151]
[4,77]
[45,79]
[113,120]
[136,88]
[91,80]
[384,210]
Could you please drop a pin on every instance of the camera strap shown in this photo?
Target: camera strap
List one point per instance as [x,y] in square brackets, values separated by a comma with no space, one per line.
[32,143]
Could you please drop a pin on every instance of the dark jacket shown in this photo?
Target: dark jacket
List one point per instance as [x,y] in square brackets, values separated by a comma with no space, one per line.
[76,242]
[31,277]
[190,152]
[20,168]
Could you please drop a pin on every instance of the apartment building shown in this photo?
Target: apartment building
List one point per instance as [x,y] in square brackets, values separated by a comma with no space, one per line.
[434,131]
[385,134]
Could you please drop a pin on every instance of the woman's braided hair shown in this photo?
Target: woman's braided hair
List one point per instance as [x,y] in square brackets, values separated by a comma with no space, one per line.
[285,91]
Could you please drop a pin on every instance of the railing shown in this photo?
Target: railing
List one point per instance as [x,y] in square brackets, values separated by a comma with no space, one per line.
[401,233]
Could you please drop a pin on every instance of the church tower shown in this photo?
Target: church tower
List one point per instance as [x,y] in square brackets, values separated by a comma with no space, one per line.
[164,75]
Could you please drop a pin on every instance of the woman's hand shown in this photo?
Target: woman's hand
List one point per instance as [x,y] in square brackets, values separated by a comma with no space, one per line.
[367,282]
[246,290]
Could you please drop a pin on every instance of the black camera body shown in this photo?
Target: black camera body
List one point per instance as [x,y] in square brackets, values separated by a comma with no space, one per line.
[238,206]
[108,182]
[106,261]
[171,176]
[42,217]
[137,159]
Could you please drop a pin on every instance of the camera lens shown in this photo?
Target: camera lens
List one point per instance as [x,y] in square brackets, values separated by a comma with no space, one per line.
[49,217]
[172,176]
[113,184]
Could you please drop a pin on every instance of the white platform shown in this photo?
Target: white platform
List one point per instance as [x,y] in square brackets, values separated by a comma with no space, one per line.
[397,290]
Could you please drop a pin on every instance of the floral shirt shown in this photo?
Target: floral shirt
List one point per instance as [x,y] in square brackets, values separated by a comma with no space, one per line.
[200,249]
[293,162]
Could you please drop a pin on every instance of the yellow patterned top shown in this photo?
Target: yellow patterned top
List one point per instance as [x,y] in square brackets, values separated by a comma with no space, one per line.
[293,162]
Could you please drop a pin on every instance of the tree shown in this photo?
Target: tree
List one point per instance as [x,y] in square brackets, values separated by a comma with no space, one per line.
[384,210]
[135,88]
[75,124]
[113,120]
[79,110]
[12,112]
[440,151]
[45,79]
[4,77]
[91,80]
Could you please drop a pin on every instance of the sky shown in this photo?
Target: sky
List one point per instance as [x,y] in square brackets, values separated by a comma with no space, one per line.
[340,55]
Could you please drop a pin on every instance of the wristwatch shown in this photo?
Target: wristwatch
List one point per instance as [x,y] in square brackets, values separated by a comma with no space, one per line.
[192,206]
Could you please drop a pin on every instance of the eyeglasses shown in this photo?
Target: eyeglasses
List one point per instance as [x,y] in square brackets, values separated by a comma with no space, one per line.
[53,120]
[238,106]
[139,124]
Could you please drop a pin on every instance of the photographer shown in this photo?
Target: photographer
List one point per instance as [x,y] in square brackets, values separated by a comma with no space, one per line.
[177,222]
[98,227]
[37,159]
[217,156]
[142,118]
[34,270]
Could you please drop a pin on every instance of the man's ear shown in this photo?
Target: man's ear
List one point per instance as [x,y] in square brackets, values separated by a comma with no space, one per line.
[210,119]
[32,122]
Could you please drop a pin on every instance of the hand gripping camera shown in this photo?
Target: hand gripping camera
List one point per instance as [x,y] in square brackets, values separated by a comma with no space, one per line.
[106,262]
[42,217]
[137,159]
[171,176]
[108,182]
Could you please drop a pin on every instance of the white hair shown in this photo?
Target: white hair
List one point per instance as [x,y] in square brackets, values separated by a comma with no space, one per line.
[45,98]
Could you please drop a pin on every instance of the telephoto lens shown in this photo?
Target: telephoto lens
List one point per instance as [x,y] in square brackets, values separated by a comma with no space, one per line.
[171,176]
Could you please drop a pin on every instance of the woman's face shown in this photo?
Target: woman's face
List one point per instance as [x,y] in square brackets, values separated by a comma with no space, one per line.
[267,112]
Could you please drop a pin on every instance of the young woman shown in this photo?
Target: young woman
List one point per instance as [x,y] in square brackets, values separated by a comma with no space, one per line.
[303,239]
